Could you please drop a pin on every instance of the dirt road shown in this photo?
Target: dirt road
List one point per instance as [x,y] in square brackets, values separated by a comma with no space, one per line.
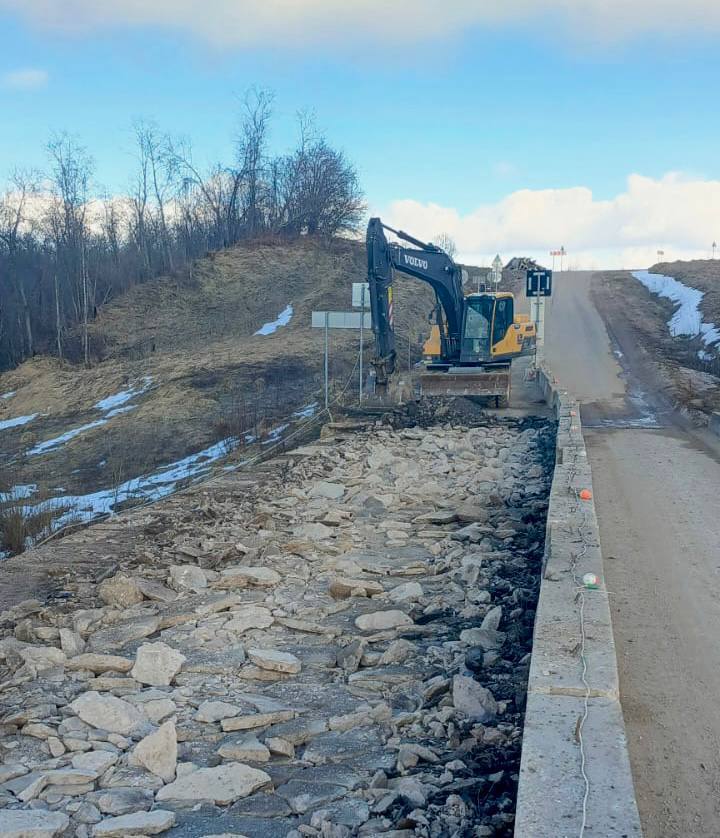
[656,486]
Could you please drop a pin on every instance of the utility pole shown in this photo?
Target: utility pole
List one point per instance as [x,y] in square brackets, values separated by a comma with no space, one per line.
[327,330]
[362,320]
[714,247]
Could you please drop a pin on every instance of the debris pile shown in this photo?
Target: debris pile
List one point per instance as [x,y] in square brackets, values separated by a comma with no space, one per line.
[342,651]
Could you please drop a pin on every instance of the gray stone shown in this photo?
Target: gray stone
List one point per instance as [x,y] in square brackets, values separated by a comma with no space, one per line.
[331,491]
[108,713]
[407,592]
[215,711]
[246,749]
[241,576]
[342,587]
[251,617]
[95,662]
[158,752]
[221,785]
[303,796]
[275,661]
[155,590]
[118,635]
[187,577]
[474,700]
[120,591]
[138,823]
[381,620]
[157,664]
[121,801]
[24,823]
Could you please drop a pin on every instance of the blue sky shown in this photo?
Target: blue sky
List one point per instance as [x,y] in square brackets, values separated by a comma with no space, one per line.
[459,120]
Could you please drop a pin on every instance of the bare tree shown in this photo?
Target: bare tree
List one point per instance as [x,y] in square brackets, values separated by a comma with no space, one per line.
[447,243]
[71,172]
[12,220]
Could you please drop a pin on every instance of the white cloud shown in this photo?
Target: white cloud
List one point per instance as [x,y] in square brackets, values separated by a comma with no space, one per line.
[676,213]
[25,79]
[302,23]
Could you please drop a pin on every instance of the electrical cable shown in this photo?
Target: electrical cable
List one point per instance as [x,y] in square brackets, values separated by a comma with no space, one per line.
[583,658]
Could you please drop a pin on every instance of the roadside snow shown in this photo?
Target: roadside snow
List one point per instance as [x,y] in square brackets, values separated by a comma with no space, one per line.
[77,508]
[17,421]
[57,441]
[124,396]
[282,320]
[687,319]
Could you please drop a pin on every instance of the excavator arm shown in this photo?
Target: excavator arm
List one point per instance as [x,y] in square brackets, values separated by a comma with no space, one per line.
[425,262]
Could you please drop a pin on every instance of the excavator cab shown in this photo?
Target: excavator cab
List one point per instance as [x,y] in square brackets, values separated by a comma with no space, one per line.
[491,332]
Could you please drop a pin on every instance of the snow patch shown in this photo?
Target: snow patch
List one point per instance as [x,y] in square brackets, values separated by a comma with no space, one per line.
[57,441]
[275,434]
[21,492]
[282,320]
[16,422]
[124,396]
[687,319]
[83,508]
[8,395]
[307,412]
[118,410]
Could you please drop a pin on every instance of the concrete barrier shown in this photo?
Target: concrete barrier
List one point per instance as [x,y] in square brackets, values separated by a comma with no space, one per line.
[575,771]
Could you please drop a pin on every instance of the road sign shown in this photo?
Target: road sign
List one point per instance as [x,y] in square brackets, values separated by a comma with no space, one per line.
[342,320]
[360,300]
[538,284]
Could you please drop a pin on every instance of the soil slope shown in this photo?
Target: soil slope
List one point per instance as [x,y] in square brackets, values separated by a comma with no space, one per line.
[191,341]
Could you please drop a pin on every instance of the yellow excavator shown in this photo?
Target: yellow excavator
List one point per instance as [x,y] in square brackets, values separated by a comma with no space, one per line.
[474,337]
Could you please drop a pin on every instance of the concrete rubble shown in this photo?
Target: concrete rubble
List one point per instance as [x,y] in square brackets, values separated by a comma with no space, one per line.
[343,651]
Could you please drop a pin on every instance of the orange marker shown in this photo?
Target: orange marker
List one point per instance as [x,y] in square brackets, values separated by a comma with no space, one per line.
[585,494]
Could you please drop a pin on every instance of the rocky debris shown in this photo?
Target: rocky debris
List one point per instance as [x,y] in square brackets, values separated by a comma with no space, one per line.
[338,647]
[275,661]
[222,785]
[157,664]
[158,752]
[107,712]
[139,823]
[379,620]
[120,590]
[32,823]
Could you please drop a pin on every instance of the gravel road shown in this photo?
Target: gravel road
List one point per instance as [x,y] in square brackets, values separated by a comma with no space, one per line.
[656,487]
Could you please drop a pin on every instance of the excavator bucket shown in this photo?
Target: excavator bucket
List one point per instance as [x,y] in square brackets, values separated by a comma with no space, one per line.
[468,381]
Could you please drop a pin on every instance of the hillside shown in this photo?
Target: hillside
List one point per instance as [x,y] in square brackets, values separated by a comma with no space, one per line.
[703,274]
[180,367]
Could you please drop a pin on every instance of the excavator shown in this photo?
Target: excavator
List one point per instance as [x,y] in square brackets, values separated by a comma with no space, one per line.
[474,337]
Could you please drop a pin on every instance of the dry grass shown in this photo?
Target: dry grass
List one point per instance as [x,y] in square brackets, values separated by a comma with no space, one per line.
[212,376]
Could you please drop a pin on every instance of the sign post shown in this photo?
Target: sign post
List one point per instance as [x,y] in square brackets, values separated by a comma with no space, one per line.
[361,289]
[338,320]
[538,286]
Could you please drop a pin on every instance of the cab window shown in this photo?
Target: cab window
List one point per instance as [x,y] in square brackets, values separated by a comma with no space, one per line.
[503,318]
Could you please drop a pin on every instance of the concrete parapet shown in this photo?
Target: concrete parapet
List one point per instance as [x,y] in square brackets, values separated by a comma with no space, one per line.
[575,770]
